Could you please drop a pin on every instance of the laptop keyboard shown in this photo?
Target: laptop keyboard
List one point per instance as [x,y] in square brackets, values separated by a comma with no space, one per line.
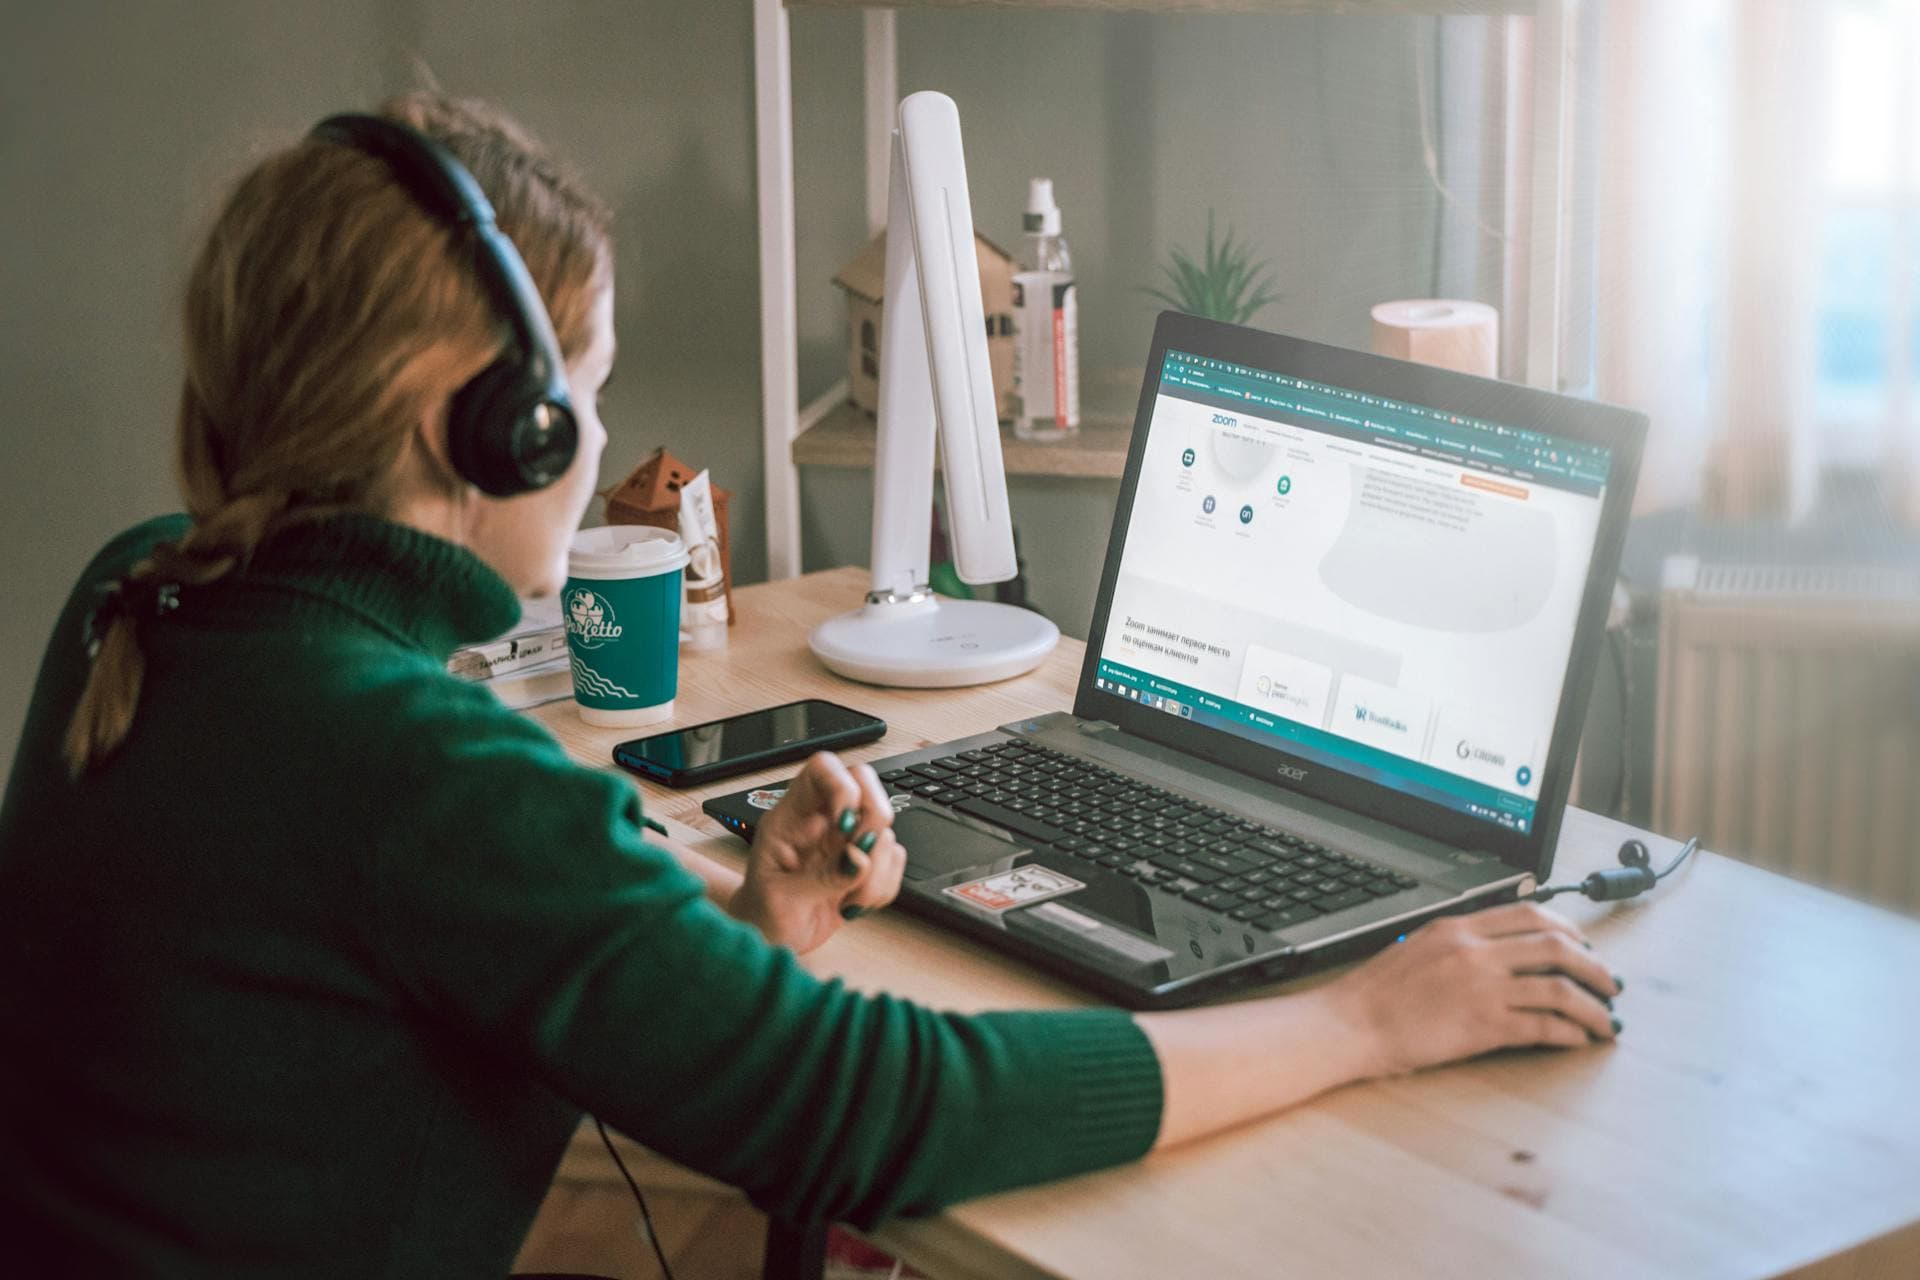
[1249,872]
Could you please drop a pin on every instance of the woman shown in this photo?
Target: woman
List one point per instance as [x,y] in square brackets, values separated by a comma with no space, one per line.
[315,955]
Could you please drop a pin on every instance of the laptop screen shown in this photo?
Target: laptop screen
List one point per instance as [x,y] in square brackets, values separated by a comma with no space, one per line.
[1382,587]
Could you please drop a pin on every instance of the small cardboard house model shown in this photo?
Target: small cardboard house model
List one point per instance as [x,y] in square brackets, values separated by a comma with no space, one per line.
[865,280]
[651,495]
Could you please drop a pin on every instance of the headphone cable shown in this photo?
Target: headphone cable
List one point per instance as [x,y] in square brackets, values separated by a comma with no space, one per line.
[653,1237]
[1678,858]
[1633,877]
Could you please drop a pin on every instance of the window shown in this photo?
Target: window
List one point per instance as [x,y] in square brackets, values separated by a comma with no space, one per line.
[1867,342]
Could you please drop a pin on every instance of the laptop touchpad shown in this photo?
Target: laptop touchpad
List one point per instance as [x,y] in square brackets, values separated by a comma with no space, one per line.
[940,846]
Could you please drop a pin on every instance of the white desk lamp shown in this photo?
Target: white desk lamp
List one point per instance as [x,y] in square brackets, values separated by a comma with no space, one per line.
[933,369]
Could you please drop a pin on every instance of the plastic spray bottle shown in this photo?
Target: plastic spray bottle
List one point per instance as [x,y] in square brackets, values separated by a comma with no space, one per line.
[1046,348]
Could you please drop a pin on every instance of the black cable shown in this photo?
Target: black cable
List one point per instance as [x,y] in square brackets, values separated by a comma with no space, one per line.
[1678,858]
[1633,877]
[653,1237]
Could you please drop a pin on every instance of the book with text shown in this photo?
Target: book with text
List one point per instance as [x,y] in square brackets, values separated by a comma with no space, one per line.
[538,639]
[548,682]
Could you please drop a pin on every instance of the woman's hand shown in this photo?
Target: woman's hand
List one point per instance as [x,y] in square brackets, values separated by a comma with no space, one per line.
[1505,977]
[823,854]
[1463,985]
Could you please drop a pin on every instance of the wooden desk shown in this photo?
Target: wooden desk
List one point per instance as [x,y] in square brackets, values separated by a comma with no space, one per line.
[1756,1117]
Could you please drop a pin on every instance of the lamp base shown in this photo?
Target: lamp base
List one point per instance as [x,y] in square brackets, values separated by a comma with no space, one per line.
[931,643]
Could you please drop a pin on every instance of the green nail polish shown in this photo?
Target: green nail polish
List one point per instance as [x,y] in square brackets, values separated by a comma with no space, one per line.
[852,913]
[865,843]
[1618,1026]
[1619,984]
[848,867]
[849,819]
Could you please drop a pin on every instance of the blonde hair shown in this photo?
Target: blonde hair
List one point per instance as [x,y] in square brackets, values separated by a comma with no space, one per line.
[327,315]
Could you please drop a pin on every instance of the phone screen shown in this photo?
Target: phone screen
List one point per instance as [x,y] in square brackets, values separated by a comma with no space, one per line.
[751,734]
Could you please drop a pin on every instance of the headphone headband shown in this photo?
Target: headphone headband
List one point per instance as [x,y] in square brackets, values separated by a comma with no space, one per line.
[431,173]
[511,429]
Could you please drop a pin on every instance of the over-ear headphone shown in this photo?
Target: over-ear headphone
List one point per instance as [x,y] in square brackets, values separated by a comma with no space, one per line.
[511,428]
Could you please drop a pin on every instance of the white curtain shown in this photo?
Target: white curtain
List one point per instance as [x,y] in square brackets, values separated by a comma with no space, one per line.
[1705,243]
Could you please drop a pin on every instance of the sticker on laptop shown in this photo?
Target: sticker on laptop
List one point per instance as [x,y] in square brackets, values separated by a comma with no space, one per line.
[1014,888]
[767,797]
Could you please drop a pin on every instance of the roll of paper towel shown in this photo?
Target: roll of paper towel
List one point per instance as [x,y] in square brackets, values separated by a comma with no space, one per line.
[1445,332]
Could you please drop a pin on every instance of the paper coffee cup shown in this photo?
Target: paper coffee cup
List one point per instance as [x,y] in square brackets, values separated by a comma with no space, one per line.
[621,606]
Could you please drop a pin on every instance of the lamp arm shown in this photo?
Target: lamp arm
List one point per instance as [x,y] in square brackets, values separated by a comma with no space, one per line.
[903,449]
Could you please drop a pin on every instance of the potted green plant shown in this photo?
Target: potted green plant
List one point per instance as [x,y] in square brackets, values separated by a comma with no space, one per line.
[1227,282]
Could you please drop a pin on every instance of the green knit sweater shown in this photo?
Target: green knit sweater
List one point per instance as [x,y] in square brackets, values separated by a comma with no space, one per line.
[317,973]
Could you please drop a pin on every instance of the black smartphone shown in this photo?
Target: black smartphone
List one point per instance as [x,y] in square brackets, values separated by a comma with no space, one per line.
[743,743]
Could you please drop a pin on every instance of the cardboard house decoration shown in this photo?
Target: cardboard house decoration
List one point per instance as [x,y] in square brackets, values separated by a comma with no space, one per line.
[651,495]
[865,280]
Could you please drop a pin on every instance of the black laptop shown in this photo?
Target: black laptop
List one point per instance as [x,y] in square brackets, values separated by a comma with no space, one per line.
[1334,683]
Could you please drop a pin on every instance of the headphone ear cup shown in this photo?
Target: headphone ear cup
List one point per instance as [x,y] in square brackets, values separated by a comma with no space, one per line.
[511,429]
[505,436]
[1633,853]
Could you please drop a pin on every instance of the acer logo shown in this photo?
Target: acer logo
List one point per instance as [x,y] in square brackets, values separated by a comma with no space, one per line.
[1288,771]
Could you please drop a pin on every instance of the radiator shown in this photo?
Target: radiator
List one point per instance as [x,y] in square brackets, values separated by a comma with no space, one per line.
[1787,721]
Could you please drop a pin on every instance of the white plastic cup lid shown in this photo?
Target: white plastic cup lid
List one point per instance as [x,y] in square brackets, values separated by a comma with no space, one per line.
[625,551]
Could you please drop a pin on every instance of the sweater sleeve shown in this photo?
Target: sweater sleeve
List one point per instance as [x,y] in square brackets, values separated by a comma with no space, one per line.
[519,902]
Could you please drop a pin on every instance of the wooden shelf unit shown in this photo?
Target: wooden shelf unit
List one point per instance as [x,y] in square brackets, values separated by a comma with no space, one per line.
[845,438]
[825,433]
[1435,7]
[844,435]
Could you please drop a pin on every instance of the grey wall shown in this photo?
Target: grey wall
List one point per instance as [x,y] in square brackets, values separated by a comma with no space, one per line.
[120,127]
[116,126]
